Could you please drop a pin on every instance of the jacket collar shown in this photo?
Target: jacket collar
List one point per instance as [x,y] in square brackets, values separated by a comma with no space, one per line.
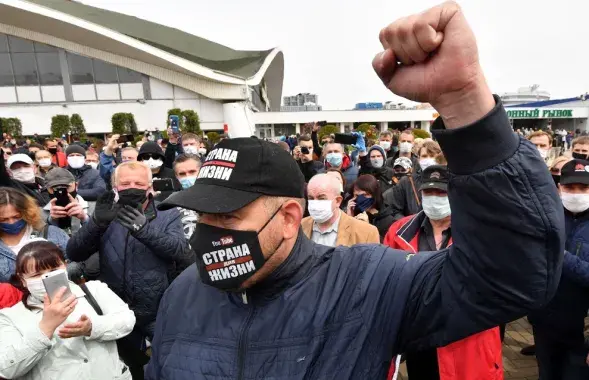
[78,172]
[295,267]
[410,229]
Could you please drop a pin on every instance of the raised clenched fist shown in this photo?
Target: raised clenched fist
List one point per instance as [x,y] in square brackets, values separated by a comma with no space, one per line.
[432,57]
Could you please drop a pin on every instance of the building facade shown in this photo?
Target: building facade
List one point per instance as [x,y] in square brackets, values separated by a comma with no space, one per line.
[62,57]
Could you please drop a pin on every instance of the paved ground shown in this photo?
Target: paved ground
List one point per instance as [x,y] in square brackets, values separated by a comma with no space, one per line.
[516,366]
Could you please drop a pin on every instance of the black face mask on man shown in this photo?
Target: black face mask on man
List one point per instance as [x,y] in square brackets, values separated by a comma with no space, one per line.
[132,197]
[579,156]
[226,258]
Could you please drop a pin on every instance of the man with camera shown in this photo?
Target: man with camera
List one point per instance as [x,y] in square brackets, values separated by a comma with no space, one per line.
[303,154]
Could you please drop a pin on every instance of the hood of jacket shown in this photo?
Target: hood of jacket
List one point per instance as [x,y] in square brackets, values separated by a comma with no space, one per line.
[151,147]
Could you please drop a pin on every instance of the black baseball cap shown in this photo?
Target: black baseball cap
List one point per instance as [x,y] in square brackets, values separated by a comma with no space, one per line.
[435,177]
[575,171]
[237,172]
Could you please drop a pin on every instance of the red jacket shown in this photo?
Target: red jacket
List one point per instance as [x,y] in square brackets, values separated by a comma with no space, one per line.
[477,357]
[9,296]
[59,159]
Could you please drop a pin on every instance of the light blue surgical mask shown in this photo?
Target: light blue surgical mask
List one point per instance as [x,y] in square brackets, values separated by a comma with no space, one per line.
[187,182]
[335,159]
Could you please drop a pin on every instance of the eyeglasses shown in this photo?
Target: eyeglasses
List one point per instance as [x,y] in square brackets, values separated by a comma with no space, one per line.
[147,156]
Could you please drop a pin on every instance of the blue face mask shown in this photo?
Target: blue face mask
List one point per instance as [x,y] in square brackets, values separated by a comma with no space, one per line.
[334,159]
[363,203]
[187,182]
[13,228]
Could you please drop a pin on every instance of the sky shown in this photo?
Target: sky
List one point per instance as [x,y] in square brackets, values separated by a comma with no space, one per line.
[329,44]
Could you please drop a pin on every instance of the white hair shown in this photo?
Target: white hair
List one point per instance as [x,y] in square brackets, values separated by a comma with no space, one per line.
[133,165]
[326,180]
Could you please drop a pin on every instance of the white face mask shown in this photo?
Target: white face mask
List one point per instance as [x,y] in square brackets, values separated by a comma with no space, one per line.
[93,165]
[26,175]
[190,149]
[543,153]
[386,145]
[154,164]
[44,162]
[36,288]
[320,210]
[202,151]
[435,207]
[426,162]
[76,162]
[575,203]
[405,147]
[377,162]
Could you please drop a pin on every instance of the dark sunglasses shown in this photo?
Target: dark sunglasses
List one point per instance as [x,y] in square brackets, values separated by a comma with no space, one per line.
[147,156]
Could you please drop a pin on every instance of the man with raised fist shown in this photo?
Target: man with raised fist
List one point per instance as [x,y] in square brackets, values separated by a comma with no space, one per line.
[263,301]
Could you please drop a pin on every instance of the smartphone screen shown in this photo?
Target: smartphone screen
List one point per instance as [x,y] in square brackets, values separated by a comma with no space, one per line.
[55,280]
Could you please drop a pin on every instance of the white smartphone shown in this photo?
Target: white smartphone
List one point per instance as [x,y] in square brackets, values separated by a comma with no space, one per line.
[55,280]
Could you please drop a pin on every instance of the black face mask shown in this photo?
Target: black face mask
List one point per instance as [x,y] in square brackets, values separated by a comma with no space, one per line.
[52,150]
[226,258]
[132,197]
[579,156]
[556,178]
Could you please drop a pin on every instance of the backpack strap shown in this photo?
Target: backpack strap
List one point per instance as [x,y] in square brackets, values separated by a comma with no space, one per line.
[414,190]
[91,300]
[45,231]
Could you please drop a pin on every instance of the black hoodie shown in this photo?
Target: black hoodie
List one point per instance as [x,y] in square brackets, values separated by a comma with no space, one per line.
[151,147]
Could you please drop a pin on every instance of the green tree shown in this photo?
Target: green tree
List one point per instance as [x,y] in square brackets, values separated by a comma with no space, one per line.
[327,130]
[60,125]
[77,126]
[12,126]
[370,131]
[191,122]
[213,137]
[124,123]
[421,133]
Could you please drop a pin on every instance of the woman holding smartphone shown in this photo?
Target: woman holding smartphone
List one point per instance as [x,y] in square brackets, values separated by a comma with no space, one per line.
[55,337]
[20,221]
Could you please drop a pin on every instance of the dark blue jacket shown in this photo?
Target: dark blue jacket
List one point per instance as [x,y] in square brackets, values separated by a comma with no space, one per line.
[90,183]
[138,267]
[341,313]
[563,319]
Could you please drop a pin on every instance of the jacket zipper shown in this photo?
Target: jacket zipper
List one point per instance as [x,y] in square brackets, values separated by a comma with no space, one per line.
[242,339]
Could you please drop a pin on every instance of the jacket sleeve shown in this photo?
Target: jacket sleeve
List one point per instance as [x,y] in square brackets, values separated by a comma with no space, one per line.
[58,237]
[508,233]
[372,237]
[20,353]
[153,368]
[106,166]
[117,320]
[85,242]
[170,154]
[316,147]
[97,187]
[364,164]
[168,243]
[576,269]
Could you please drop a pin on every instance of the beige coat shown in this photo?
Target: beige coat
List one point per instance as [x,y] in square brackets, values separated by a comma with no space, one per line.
[350,231]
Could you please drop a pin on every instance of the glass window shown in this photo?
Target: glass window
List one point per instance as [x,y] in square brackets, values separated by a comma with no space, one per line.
[25,69]
[6,77]
[19,45]
[105,73]
[49,69]
[3,43]
[80,69]
[42,48]
[129,76]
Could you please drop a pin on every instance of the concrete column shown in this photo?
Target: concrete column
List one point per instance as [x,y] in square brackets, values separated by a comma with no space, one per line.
[412,125]
[351,127]
[342,127]
[383,126]
[273,133]
[297,128]
[425,125]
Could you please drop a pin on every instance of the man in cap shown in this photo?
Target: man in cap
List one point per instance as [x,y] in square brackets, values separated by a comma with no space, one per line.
[263,301]
[401,168]
[61,186]
[153,156]
[561,351]
[90,183]
[22,171]
[429,230]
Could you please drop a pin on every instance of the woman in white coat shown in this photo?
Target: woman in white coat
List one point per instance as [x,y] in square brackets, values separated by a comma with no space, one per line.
[64,338]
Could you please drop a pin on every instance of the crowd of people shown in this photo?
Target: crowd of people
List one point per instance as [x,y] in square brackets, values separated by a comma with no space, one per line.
[303,258]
